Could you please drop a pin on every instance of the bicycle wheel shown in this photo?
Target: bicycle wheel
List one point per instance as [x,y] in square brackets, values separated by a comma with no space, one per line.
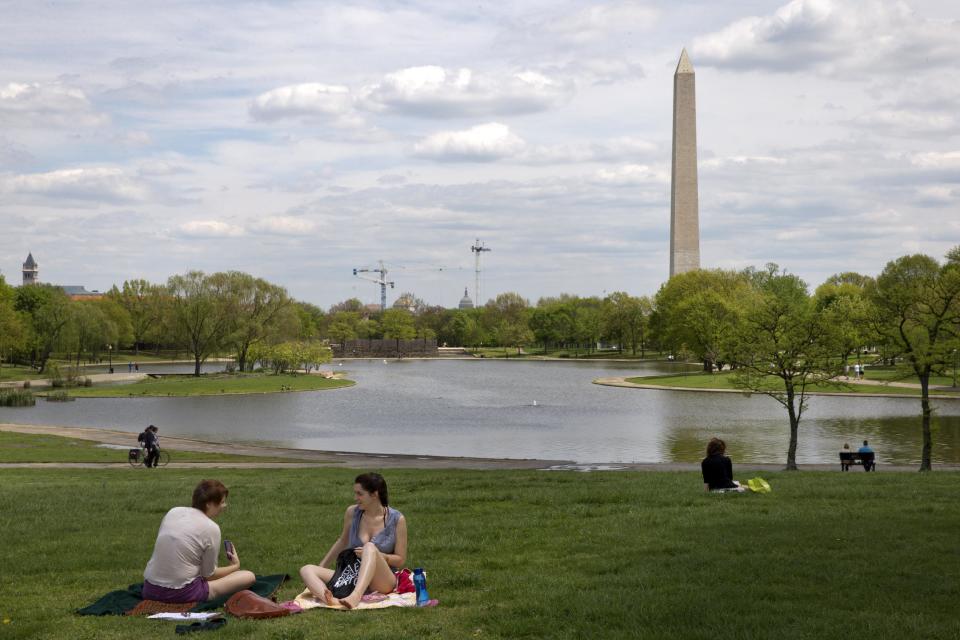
[135,458]
[164,458]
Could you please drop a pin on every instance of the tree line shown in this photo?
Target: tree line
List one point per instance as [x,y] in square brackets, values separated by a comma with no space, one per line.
[764,324]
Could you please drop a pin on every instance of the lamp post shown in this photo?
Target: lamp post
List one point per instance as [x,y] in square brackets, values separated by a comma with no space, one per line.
[110,357]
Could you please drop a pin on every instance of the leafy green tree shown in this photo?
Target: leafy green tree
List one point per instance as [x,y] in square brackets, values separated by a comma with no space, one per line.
[699,310]
[508,315]
[343,326]
[12,331]
[398,325]
[844,301]
[917,309]
[263,309]
[783,346]
[204,311]
[141,300]
[48,311]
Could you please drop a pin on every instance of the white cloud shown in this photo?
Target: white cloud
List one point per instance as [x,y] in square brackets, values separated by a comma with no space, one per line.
[210,229]
[310,100]
[432,91]
[936,160]
[833,37]
[47,105]
[622,148]
[484,142]
[631,175]
[599,21]
[904,123]
[98,183]
[283,226]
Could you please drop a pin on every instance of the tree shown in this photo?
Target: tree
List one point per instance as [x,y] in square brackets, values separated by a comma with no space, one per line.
[12,331]
[398,325]
[141,300]
[843,299]
[48,310]
[508,315]
[917,309]
[203,310]
[782,346]
[699,310]
[262,309]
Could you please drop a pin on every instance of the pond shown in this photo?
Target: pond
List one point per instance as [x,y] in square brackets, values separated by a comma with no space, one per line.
[520,409]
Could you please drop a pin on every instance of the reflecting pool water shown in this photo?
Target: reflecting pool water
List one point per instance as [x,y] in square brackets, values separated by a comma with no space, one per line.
[522,409]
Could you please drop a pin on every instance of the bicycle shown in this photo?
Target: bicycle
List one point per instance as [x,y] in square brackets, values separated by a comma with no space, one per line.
[138,456]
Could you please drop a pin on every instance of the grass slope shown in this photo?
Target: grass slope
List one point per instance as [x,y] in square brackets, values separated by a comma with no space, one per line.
[725,381]
[210,385]
[520,554]
[27,447]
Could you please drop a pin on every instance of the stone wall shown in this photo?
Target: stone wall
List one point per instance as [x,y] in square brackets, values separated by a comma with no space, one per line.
[382,348]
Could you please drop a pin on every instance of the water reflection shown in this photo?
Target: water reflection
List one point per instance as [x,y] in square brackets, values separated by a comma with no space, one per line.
[522,409]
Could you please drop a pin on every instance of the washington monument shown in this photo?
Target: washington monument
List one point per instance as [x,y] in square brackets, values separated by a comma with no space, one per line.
[684,206]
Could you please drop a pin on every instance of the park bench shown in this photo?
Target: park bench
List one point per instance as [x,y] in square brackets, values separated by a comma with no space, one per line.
[868,460]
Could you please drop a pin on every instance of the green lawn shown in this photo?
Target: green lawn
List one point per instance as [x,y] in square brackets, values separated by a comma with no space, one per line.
[26,447]
[15,372]
[725,381]
[210,384]
[894,374]
[521,554]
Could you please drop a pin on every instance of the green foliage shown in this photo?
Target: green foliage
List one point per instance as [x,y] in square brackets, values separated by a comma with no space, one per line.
[398,325]
[699,310]
[17,397]
[916,303]
[292,355]
[60,395]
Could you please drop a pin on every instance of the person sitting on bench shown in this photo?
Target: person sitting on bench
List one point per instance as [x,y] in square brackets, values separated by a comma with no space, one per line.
[866,460]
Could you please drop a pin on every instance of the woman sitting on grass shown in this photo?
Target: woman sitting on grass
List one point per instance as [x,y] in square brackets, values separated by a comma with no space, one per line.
[183,567]
[378,536]
[718,469]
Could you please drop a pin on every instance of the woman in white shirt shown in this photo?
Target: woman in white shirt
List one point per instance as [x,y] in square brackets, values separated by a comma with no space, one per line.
[183,567]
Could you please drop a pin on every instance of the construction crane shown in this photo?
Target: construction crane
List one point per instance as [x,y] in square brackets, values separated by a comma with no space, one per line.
[478,248]
[382,281]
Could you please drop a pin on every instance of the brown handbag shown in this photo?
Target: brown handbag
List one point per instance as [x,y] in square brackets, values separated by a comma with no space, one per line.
[247,604]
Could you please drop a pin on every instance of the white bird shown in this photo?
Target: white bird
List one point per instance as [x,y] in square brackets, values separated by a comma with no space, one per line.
[534,403]
[384,361]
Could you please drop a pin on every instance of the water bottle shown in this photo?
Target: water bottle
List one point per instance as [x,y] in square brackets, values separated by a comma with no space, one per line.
[420,584]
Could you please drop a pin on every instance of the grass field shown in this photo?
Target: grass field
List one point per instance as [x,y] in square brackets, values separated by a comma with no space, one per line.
[725,381]
[16,372]
[211,384]
[519,554]
[27,447]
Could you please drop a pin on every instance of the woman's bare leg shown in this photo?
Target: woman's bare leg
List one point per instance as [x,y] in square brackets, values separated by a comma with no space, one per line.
[236,581]
[375,573]
[316,579]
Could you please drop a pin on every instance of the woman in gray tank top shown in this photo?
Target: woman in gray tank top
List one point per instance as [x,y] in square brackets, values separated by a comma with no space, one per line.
[376,532]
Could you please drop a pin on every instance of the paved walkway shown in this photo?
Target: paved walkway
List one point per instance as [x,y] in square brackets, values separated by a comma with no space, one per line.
[95,377]
[622,382]
[308,458]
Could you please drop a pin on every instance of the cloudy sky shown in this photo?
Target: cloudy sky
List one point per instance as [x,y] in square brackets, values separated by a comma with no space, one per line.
[298,140]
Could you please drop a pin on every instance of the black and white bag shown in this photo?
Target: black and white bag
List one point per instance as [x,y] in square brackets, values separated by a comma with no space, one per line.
[344,578]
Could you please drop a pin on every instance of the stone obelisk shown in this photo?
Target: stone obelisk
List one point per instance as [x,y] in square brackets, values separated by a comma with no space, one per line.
[684,205]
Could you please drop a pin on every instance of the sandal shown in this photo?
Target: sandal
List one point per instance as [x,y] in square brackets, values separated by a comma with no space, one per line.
[209,625]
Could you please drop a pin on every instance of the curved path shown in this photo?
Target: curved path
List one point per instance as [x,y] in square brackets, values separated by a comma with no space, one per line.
[622,382]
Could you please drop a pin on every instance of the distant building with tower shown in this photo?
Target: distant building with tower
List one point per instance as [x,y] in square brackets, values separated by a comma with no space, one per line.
[31,275]
[684,199]
[31,270]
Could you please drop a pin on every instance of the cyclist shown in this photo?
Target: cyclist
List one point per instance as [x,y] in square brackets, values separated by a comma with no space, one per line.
[149,441]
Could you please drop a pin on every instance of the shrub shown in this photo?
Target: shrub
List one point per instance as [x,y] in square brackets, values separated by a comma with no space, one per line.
[59,396]
[17,398]
[87,382]
[26,384]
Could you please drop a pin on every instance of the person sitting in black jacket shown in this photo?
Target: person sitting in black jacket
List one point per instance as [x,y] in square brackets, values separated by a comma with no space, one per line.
[718,469]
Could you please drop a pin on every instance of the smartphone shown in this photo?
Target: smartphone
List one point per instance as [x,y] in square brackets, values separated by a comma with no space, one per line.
[228,547]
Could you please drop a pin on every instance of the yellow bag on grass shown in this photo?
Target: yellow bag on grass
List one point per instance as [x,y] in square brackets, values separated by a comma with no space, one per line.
[758,485]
